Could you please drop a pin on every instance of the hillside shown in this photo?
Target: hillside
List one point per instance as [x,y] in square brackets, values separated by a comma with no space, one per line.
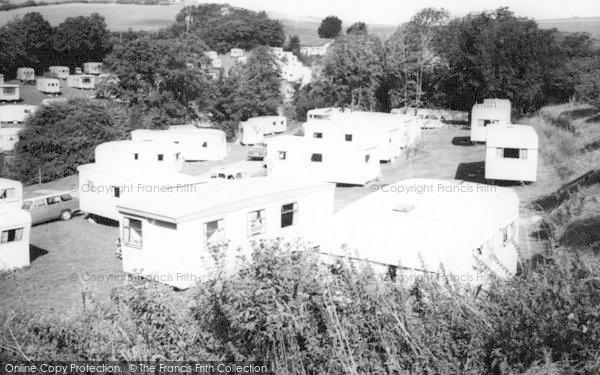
[584,24]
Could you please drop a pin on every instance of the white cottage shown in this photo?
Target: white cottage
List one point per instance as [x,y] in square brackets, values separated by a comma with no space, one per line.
[94,68]
[82,81]
[429,227]
[26,75]
[169,239]
[60,72]
[511,153]
[352,163]
[490,112]
[128,169]
[9,93]
[15,226]
[48,85]
[195,143]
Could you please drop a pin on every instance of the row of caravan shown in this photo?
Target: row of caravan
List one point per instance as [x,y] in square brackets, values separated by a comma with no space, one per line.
[27,75]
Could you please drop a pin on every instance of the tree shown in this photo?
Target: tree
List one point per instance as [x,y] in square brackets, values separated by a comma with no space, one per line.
[358,28]
[330,27]
[223,27]
[59,137]
[294,45]
[163,79]
[353,67]
[80,39]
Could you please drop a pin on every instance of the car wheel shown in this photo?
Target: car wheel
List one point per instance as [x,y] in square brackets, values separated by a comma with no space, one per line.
[65,215]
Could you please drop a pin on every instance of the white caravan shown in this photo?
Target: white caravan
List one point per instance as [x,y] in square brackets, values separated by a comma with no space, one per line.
[94,68]
[82,81]
[488,113]
[429,227]
[60,72]
[15,226]
[26,75]
[9,93]
[9,138]
[15,114]
[195,143]
[48,85]
[352,163]
[511,153]
[172,239]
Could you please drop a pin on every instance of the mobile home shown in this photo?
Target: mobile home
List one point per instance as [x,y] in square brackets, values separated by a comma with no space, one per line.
[26,75]
[250,133]
[128,169]
[170,239]
[195,143]
[9,93]
[60,72]
[490,112]
[48,85]
[94,68]
[429,227]
[13,115]
[15,225]
[352,163]
[82,81]
[511,153]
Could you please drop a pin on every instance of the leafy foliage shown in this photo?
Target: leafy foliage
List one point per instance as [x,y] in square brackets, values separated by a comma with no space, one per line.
[59,137]
[330,27]
[223,27]
[358,28]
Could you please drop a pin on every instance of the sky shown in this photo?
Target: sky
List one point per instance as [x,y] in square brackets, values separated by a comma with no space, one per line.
[393,12]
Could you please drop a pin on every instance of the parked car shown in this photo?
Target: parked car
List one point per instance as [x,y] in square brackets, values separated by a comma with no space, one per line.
[48,205]
[258,151]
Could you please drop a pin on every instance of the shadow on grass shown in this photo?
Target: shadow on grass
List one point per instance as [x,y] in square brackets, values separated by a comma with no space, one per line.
[583,233]
[36,252]
[553,200]
[102,220]
[462,141]
[475,172]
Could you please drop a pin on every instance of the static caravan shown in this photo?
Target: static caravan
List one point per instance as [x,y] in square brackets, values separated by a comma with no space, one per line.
[511,153]
[94,68]
[269,124]
[237,52]
[82,81]
[352,163]
[13,115]
[60,72]
[15,226]
[48,85]
[195,143]
[490,112]
[170,239]
[102,187]
[251,133]
[322,113]
[9,93]
[429,227]
[26,75]
[9,138]
[155,155]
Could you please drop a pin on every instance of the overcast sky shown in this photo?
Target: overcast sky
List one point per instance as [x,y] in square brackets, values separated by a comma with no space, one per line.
[397,11]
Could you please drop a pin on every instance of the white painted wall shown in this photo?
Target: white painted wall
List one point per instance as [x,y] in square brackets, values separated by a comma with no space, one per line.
[15,225]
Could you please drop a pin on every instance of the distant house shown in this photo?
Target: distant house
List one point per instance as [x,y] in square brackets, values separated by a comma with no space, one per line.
[15,226]
[48,86]
[290,156]
[60,72]
[172,239]
[26,75]
[488,113]
[9,93]
[511,153]
[428,228]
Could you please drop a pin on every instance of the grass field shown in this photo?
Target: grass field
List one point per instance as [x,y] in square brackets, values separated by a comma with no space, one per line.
[71,258]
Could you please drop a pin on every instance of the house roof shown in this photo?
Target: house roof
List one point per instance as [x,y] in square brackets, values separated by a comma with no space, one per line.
[219,197]
[512,136]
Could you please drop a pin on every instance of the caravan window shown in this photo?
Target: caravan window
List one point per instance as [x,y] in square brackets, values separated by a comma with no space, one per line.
[317,135]
[367,158]
[132,232]
[7,193]
[204,144]
[510,153]
[257,222]
[214,232]
[282,155]
[10,90]
[12,235]
[348,137]
[288,214]
[161,157]
[135,156]
[117,191]
[317,158]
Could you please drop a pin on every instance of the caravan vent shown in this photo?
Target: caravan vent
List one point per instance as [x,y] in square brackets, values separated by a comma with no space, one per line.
[404,207]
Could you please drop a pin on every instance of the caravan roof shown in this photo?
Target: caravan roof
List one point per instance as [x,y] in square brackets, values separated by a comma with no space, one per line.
[14,218]
[218,197]
[512,136]
[419,221]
